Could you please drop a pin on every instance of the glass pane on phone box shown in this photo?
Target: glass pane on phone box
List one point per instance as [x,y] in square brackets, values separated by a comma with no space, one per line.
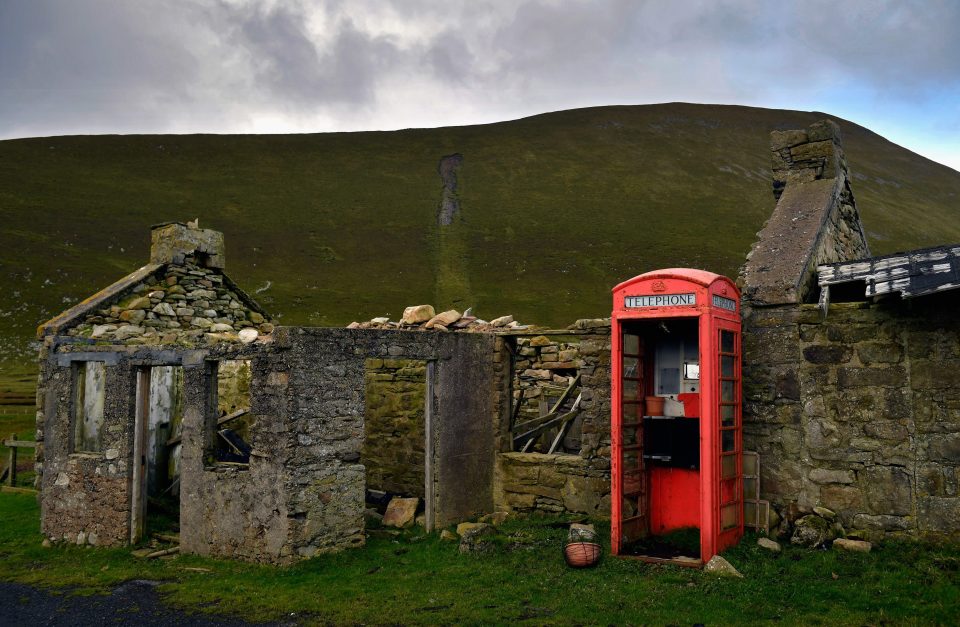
[728,439]
[750,513]
[726,391]
[726,366]
[727,341]
[631,344]
[631,367]
[630,392]
[750,490]
[728,414]
[632,412]
[728,516]
[728,466]
[750,464]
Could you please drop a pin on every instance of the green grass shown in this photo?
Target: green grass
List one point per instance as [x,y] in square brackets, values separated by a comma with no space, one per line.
[415,578]
[16,420]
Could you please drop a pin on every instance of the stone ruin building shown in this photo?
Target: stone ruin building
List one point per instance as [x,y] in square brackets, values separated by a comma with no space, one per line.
[173,386]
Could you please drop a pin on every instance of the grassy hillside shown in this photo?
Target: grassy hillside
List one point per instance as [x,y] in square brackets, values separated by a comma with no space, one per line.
[329,228]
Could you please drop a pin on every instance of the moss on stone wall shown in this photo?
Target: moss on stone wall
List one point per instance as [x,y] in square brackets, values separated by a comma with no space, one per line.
[393,448]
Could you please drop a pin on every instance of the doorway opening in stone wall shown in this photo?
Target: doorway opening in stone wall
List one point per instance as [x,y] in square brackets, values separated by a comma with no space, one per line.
[396,451]
[156,452]
[660,435]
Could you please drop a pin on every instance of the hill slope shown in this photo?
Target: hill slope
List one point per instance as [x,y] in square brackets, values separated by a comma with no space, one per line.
[328,228]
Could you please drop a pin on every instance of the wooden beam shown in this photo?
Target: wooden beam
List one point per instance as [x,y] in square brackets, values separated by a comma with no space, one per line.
[12,468]
[220,421]
[563,425]
[553,412]
[536,431]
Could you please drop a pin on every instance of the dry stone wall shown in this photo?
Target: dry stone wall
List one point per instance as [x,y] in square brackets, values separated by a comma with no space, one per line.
[184,304]
[576,480]
[858,412]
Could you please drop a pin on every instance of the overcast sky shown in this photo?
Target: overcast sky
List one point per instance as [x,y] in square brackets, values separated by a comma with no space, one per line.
[244,66]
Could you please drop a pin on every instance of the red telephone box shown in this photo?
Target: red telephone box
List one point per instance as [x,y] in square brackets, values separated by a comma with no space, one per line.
[676,446]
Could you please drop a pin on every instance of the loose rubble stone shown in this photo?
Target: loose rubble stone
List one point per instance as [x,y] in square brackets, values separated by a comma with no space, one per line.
[417,314]
[812,531]
[445,318]
[721,567]
[496,518]
[401,512]
[448,536]
[768,544]
[474,537]
[502,321]
[847,544]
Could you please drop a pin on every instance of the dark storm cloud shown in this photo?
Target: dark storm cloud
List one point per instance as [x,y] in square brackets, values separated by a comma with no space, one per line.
[71,66]
[286,63]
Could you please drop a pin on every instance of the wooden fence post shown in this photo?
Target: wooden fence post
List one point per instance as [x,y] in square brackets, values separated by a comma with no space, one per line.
[12,473]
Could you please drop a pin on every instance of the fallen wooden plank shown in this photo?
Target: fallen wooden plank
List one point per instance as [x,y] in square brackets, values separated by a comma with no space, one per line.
[220,421]
[533,433]
[155,554]
[563,425]
[19,444]
[516,409]
[553,412]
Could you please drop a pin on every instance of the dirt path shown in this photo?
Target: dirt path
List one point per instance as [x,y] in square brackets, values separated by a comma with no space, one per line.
[131,603]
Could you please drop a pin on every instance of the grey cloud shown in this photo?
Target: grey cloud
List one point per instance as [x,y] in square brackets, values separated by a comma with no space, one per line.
[288,66]
[213,65]
[450,59]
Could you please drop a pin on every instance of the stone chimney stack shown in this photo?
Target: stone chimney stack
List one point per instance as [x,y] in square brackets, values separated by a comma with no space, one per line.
[175,242]
[806,155]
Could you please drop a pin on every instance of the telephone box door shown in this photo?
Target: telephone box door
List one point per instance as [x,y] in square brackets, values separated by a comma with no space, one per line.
[632,521]
[729,505]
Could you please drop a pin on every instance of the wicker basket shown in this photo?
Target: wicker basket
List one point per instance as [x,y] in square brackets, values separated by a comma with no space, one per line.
[581,554]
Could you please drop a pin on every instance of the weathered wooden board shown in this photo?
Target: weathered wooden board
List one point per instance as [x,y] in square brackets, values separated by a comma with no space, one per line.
[911,274]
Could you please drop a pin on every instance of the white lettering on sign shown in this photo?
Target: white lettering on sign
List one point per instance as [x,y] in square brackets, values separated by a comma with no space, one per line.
[724,303]
[660,300]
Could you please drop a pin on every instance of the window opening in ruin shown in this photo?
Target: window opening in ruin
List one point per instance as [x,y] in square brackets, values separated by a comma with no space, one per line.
[157,443]
[394,451]
[850,292]
[545,417]
[232,437]
[660,431]
[89,394]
